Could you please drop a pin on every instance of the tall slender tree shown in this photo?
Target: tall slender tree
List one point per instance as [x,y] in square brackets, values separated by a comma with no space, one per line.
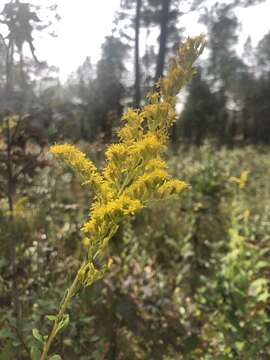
[137,86]
[163,37]
[129,21]
[167,14]
[19,19]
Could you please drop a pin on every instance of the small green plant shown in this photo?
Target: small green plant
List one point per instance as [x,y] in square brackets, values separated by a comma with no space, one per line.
[20,162]
[234,304]
[134,175]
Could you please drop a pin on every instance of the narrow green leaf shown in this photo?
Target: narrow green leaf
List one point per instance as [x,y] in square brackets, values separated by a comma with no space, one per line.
[37,335]
[51,317]
[63,323]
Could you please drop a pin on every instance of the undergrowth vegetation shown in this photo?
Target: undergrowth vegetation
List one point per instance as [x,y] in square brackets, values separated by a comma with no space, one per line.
[189,278]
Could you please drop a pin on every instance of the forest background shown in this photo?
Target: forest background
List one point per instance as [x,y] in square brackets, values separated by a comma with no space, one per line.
[190,277]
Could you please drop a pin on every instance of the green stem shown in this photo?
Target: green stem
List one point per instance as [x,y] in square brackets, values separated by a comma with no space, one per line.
[67,298]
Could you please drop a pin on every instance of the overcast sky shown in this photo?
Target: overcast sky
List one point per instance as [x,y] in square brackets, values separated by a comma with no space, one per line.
[85,23]
[80,33]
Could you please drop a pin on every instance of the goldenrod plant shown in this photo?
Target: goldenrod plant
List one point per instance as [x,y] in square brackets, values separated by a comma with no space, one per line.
[134,175]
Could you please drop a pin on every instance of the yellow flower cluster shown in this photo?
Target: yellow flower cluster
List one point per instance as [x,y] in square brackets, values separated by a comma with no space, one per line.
[79,163]
[134,173]
[134,131]
[172,187]
[242,180]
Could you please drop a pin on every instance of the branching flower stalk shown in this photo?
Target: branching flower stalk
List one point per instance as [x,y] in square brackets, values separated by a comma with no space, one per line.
[134,175]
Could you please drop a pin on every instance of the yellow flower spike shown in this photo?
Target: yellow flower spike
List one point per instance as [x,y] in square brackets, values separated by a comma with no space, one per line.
[116,152]
[145,187]
[134,173]
[153,98]
[78,162]
[133,129]
[172,187]
[149,146]
[155,164]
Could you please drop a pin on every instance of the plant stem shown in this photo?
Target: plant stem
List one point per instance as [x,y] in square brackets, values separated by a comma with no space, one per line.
[66,300]
[10,195]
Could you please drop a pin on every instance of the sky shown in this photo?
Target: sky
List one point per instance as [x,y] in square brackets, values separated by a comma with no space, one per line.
[80,33]
[85,23]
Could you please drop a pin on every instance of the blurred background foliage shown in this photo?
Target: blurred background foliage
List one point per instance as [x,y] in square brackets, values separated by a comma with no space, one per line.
[190,277]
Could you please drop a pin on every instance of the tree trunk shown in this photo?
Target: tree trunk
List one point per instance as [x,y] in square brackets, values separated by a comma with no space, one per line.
[137,95]
[9,66]
[162,38]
